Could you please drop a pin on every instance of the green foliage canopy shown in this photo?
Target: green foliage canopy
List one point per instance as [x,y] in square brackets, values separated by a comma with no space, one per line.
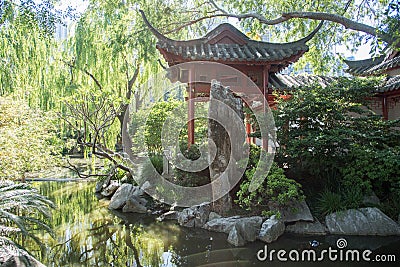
[329,135]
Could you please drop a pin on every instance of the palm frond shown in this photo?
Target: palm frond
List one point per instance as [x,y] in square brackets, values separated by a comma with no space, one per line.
[9,248]
[23,208]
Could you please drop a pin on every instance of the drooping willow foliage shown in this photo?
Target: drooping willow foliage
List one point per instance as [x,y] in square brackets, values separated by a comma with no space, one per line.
[113,52]
[30,70]
[109,54]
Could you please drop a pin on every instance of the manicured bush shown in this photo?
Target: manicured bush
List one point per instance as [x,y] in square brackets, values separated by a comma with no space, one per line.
[276,186]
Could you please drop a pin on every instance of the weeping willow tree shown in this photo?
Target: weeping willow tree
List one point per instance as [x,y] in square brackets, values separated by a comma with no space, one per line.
[110,56]
[29,71]
[28,51]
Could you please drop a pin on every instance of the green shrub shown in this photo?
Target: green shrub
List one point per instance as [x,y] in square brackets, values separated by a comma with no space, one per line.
[371,168]
[151,168]
[192,153]
[270,213]
[352,197]
[157,162]
[276,187]
[328,137]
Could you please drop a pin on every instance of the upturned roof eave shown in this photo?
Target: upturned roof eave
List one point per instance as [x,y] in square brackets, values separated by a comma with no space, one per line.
[162,38]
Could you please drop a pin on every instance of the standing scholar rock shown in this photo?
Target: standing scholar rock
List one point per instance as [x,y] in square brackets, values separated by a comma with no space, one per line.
[226,130]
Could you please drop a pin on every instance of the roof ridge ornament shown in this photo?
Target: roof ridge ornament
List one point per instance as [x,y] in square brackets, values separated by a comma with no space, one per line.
[312,34]
[158,34]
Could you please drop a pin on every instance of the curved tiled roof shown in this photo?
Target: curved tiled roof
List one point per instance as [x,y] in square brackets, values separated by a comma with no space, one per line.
[374,66]
[233,52]
[288,82]
[361,67]
[239,49]
[391,84]
[385,65]
[378,66]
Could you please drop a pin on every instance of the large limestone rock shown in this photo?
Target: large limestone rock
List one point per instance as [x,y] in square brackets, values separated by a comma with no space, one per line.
[222,225]
[271,229]
[195,216]
[135,204]
[225,225]
[293,211]
[235,238]
[245,230]
[364,221]
[307,228]
[123,193]
[120,196]
[225,114]
[110,189]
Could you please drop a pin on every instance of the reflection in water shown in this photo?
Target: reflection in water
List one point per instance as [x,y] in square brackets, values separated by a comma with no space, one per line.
[88,234]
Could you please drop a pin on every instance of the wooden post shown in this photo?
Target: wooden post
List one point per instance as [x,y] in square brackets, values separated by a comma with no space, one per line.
[265,102]
[248,129]
[191,97]
[385,112]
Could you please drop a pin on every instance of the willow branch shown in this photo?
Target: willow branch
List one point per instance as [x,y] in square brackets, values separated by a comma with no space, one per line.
[347,23]
[82,175]
[98,84]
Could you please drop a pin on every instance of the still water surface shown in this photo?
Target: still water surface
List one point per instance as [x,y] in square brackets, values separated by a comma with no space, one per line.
[88,234]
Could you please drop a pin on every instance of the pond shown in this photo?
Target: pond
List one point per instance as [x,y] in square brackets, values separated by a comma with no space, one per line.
[88,234]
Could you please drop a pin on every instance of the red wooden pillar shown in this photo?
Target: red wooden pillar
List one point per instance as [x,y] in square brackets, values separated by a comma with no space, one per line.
[191,97]
[248,129]
[385,112]
[265,102]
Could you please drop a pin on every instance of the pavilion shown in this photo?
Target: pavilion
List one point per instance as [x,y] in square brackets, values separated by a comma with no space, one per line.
[260,61]
[386,101]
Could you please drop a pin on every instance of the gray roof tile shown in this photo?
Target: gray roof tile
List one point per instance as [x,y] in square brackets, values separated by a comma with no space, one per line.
[391,84]
[291,82]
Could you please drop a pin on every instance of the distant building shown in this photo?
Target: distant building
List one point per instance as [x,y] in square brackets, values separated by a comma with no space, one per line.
[61,32]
